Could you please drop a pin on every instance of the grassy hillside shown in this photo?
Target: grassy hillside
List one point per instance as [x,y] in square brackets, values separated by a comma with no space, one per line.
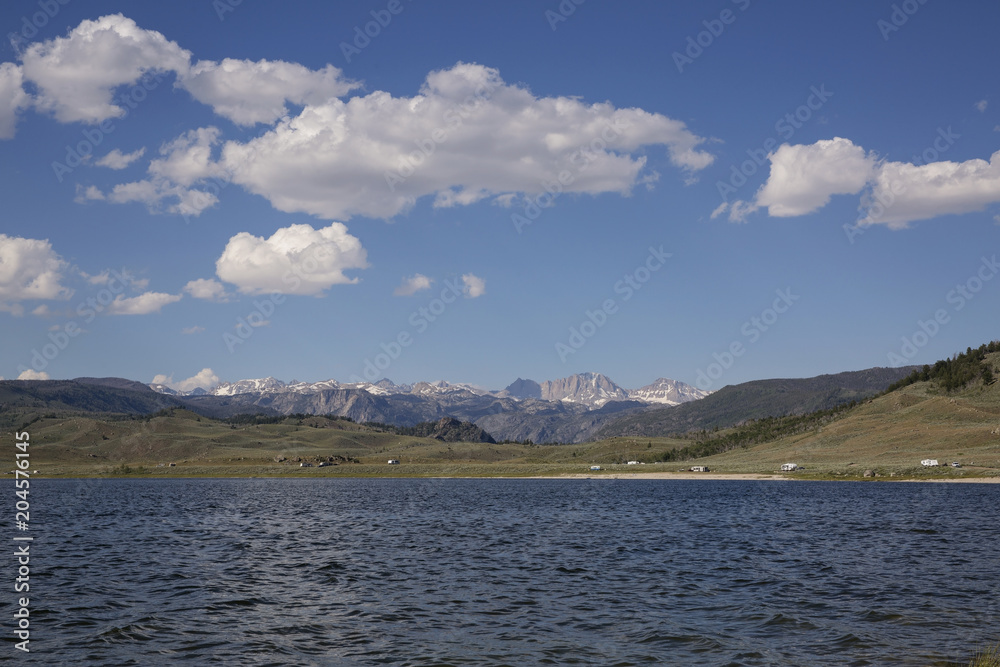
[891,434]
[82,445]
[754,400]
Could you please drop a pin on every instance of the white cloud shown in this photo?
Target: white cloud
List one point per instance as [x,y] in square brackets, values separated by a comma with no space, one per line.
[186,161]
[981,106]
[413,284]
[150,302]
[295,260]
[12,98]
[76,75]
[32,374]
[29,269]
[118,160]
[804,177]
[473,286]
[204,379]
[192,330]
[719,210]
[208,289]
[903,192]
[465,136]
[249,92]
[90,193]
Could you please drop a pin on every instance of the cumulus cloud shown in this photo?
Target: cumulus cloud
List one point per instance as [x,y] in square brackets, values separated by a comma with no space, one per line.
[249,92]
[205,379]
[473,286]
[903,192]
[294,260]
[186,161]
[149,302]
[981,106]
[12,98]
[413,284]
[29,269]
[208,289]
[118,160]
[88,194]
[32,374]
[76,75]
[466,136]
[804,177]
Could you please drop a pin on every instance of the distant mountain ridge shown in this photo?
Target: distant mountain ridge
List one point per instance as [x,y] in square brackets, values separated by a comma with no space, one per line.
[592,390]
[590,406]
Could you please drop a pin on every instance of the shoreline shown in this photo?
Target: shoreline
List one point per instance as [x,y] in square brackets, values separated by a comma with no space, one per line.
[678,476]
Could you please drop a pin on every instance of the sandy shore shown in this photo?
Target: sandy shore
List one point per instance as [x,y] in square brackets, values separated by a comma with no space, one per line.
[756,476]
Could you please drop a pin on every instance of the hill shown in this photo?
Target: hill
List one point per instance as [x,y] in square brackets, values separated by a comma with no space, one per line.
[89,395]
[735,404]
[932,418]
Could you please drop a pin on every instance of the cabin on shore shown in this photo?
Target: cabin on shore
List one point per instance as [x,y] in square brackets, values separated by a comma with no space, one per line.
[699,469]
[930,463]
[789,467]
[595,467]
[394,462]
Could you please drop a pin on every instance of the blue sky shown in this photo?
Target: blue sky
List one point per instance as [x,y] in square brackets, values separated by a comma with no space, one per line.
[251,165]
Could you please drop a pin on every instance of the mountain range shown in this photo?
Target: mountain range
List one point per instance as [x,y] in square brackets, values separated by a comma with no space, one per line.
[592,390]
[571,410]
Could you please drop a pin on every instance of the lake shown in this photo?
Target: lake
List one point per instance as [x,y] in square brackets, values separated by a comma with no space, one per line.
[509,572]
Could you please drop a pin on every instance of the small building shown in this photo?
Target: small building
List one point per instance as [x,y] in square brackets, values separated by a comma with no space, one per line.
[789,467]
[323,464]
[394,462]
[305,465]
[699,469]
[633,463]
[929,463]
[595,467]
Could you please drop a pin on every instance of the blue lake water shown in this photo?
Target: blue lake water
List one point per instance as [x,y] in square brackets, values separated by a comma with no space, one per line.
[508,572]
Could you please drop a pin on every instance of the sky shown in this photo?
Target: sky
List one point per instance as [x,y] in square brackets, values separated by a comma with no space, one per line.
[712,192]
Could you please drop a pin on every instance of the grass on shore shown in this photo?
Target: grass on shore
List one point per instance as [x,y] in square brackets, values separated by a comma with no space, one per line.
[989,657]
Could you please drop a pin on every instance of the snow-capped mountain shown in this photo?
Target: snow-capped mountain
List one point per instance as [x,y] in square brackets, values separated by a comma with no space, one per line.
[267,384]
[591,390]
[667,392]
